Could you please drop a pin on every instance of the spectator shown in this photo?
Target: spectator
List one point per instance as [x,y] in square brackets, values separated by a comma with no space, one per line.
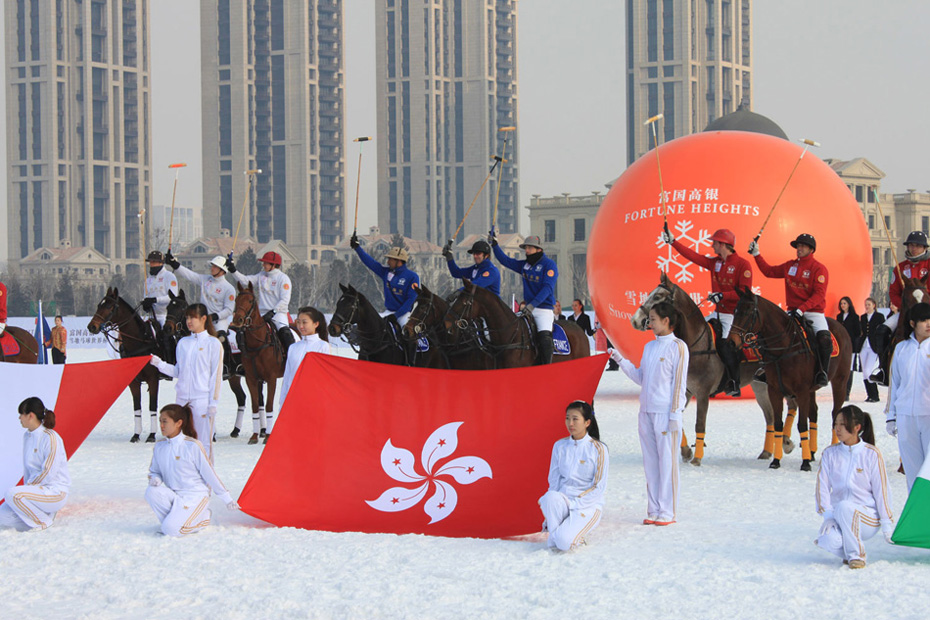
[868,359]
[850,320]
[579,317]
[59,341]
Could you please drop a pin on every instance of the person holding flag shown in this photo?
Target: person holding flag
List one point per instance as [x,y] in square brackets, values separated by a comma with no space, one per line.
[273,288]
[311,325]
[577,478]
[33,505]
[483,273]
[852,489]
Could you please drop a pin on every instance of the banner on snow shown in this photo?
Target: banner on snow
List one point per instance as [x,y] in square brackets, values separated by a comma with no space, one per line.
[913,527]
[369,447]
[79,394]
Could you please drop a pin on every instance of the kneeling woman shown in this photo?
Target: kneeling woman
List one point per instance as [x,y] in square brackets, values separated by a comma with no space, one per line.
[45,472]
[577,476]
[852,489]
[181,476]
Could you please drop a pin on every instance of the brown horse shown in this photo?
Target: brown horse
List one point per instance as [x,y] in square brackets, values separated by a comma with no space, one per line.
[790,364]
[705,369]
[262,355]
[915,292]
[477,319]
[426,321]
[126,332]
[367,332]
[28,347]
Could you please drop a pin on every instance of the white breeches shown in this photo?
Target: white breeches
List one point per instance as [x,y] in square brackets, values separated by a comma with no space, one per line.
[280,320]
[818,320]
[726,321]
[869,360]
[179,514]
[913,444]
[544,318]
[223,324]
[660,461]
[2,327]
[567,528]
[402,319]
[854,523]
[892,321]
[203,424]
[27,507]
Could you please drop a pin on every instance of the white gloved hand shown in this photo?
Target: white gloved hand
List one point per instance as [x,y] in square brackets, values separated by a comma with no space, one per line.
[233,505]
[887,534]
[674,426]
[667,237]
[154,482]
[892,427]
[754,248]
[615,355]
[828,523]
[211,411]
[155,361]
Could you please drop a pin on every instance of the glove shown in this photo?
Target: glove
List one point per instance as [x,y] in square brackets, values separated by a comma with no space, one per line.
[892,427]
[527,310]
[796,314]
[492,238]
[667,237]
[214,317]
[233,505]
[615,355]
[171,260]
[154,482]
[353,241]
[754,247]
[268,316]
[230,265]
[887,534]
[828,523]
[715,298]
[674,426]
[447,250]
[148,303]
[211,411]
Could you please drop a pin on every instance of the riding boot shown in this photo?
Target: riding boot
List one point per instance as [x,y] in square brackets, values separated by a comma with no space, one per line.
[227,354]
[730,358]
[287,338]
[240,339]
[871,391]
[880,340]
[824,349]
[545,345]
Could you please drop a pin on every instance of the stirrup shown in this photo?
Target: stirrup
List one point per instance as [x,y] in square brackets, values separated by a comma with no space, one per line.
[760,375]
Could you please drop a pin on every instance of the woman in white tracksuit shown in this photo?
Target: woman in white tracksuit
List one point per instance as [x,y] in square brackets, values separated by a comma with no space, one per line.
[181,476]
[852,489]
[908,411]
[33,505]
[663,375]
[573,504]
[311,325]
[199,372]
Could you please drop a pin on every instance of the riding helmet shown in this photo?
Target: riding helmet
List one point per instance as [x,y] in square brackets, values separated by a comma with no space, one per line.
[918,237]
[480,246]
[272,258]
[724,236]
[532,240]
[219,261]
[155,255]
[806,239]
[398,254]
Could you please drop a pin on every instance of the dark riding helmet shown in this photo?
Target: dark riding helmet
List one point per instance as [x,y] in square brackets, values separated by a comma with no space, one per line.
[918,237]
[156,256]
[480,246]
[806,239]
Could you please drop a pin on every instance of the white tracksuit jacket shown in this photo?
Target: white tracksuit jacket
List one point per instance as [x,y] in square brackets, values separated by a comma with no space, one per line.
[46,482]
[909,403]
[295,355]
[663,375]
[217,295]
[181,464]
[199,370]
[273,289]
[158,287]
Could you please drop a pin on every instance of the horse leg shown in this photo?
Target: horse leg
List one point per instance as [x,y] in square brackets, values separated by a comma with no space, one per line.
[760,390]
[153,409]
[812,423]
[235,384]
[262,418]
[255,394]
[135,388]
[804,409]
[686,452]
[789,422]
[269,406]
[701,401]
[775,400]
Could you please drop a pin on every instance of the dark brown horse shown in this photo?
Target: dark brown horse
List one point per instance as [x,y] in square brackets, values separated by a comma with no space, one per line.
[367,331]
[479,320]
[263,357]
[126,332]
[915,292]
[426,321]
[790,364]
[705,369]
[28,347]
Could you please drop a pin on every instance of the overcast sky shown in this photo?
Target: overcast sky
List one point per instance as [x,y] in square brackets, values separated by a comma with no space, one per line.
[846,73]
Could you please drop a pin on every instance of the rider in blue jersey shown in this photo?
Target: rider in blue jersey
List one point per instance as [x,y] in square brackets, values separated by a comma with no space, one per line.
[483,273]
[400,283]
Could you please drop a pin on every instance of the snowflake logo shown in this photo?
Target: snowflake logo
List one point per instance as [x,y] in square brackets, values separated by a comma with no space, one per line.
[672,262]
[400,465]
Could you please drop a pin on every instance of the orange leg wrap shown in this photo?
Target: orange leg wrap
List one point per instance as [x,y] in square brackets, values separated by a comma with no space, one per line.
[769,439]
[699,446]
[684,439]
[813,437]
[789,422]
[779,446]
[805,446]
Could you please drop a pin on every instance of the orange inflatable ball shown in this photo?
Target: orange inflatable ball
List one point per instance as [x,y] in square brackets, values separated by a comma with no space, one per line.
[713,180]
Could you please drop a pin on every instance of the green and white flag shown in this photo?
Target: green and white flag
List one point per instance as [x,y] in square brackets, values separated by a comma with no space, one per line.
[913,527]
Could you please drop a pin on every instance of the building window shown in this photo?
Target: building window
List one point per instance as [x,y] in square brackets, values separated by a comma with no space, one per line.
[579,229]
[888,222]
[875,256]
[871,221]
[858,193]
[925,224]
[871,195]
[549,233]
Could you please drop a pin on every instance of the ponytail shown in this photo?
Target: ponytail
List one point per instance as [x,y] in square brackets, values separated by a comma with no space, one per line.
[199,311]
[35,406]
[183,414]
[853,416]
[587,412]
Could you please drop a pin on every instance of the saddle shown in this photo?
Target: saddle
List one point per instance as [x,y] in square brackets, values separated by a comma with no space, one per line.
[810,339]
[560,343]
[396,333]
[8,344]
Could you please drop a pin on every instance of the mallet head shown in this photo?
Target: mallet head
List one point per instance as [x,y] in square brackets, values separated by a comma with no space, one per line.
[808,142]
[254,171]
[507,129]
[362,139]
[653,119]
[170,166]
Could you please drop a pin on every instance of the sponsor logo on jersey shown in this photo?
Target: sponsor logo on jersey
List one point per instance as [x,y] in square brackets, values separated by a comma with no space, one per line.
[731,269]
[821,279]
[286,286]
[747,274]
[806,275]
[550,273]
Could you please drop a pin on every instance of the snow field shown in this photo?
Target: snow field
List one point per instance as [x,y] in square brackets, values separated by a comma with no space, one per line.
[742,547]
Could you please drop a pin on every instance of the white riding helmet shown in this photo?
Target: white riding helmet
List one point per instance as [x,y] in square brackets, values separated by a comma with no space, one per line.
[219,261]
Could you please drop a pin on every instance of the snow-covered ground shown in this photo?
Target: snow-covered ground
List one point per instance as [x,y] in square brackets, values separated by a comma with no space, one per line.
[742,547]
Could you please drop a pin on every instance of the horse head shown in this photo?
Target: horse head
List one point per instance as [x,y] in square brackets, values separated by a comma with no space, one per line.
[346,310]
[915,292]
[424,315]
[175,322]
[107,311]
[246,307]
[748,320]
[664,292]
[461,310]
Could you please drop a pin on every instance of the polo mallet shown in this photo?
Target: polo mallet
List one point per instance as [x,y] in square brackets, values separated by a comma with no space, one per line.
[497,160]
[878,203]
[174,193]
[652,122]
[141,216]
[358,179]
[245,203]
[500,173]
[807,144]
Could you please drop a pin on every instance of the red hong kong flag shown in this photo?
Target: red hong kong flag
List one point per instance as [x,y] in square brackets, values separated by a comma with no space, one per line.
[369,447]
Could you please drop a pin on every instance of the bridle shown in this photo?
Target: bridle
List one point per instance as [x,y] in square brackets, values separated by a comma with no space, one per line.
[695,309]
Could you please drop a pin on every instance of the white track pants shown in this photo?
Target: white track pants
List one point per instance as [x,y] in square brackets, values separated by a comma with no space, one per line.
[660,461]
[567,528]
[203,424]
[854,523]
[179,514]
[913,444]
[27,507]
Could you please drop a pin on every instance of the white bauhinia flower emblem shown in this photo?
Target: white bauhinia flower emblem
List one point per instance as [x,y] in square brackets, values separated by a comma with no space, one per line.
[400,465]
